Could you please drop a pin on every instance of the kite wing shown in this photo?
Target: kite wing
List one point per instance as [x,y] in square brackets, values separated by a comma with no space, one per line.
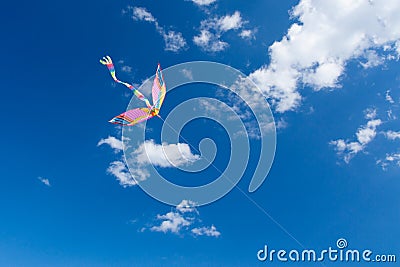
[132,117]
[159,89]
[108,62]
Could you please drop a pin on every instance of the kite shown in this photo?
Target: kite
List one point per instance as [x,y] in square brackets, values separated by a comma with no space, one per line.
[134,116]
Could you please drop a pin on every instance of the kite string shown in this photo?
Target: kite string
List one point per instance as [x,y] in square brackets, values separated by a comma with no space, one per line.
[108,62]
[183,138]
[247,196]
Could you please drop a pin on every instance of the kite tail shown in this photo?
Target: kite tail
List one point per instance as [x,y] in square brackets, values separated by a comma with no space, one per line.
[108,62]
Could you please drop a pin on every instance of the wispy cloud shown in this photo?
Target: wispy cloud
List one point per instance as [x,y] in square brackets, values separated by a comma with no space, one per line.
[372,59]
[393,158]
[118,168]
[44,181]
[247,34]
[182,219]
[211,30]
[207,231]
[364,135]
[370,113]
[187,73]
[140,13]
[281,124]
[203,2]
[209,41]
[325,37]
[388,97]
[124,67]
[121,172]
[392,135]
[186,206]
[390,159]
[113,142]
[174,41]
[390,115]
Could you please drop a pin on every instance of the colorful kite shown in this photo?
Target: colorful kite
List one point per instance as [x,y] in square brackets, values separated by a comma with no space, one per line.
[134,116]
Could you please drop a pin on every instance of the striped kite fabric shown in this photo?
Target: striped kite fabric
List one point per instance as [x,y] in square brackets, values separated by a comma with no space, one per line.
[134,116]
[108,62]
[159,89]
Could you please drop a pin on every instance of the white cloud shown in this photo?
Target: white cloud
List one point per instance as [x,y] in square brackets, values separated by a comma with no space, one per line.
[209,42]
[281,124]
[175,220]
[373,59]
[113,142]
[393,158]
[203,2]
[44,181]
[392,135]
[370,113]
[279,86]
[390,159]
[140,13]
[390,115]
[121,172]
[119,169]
[187,73]
[186,206]
[126,68]
[185,217]
[140,174]
[325,37]
[212,29]
[172,222]
[203,39]
[247,34]
[174,41]
[349,149]
[244,108]
[208,231]
[364,135]
[325,75]
[230,22]
[367,133]
[165,155]
[397,47]
[388,97]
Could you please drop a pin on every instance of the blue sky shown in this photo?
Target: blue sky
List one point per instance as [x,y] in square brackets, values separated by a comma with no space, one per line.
[331,75]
